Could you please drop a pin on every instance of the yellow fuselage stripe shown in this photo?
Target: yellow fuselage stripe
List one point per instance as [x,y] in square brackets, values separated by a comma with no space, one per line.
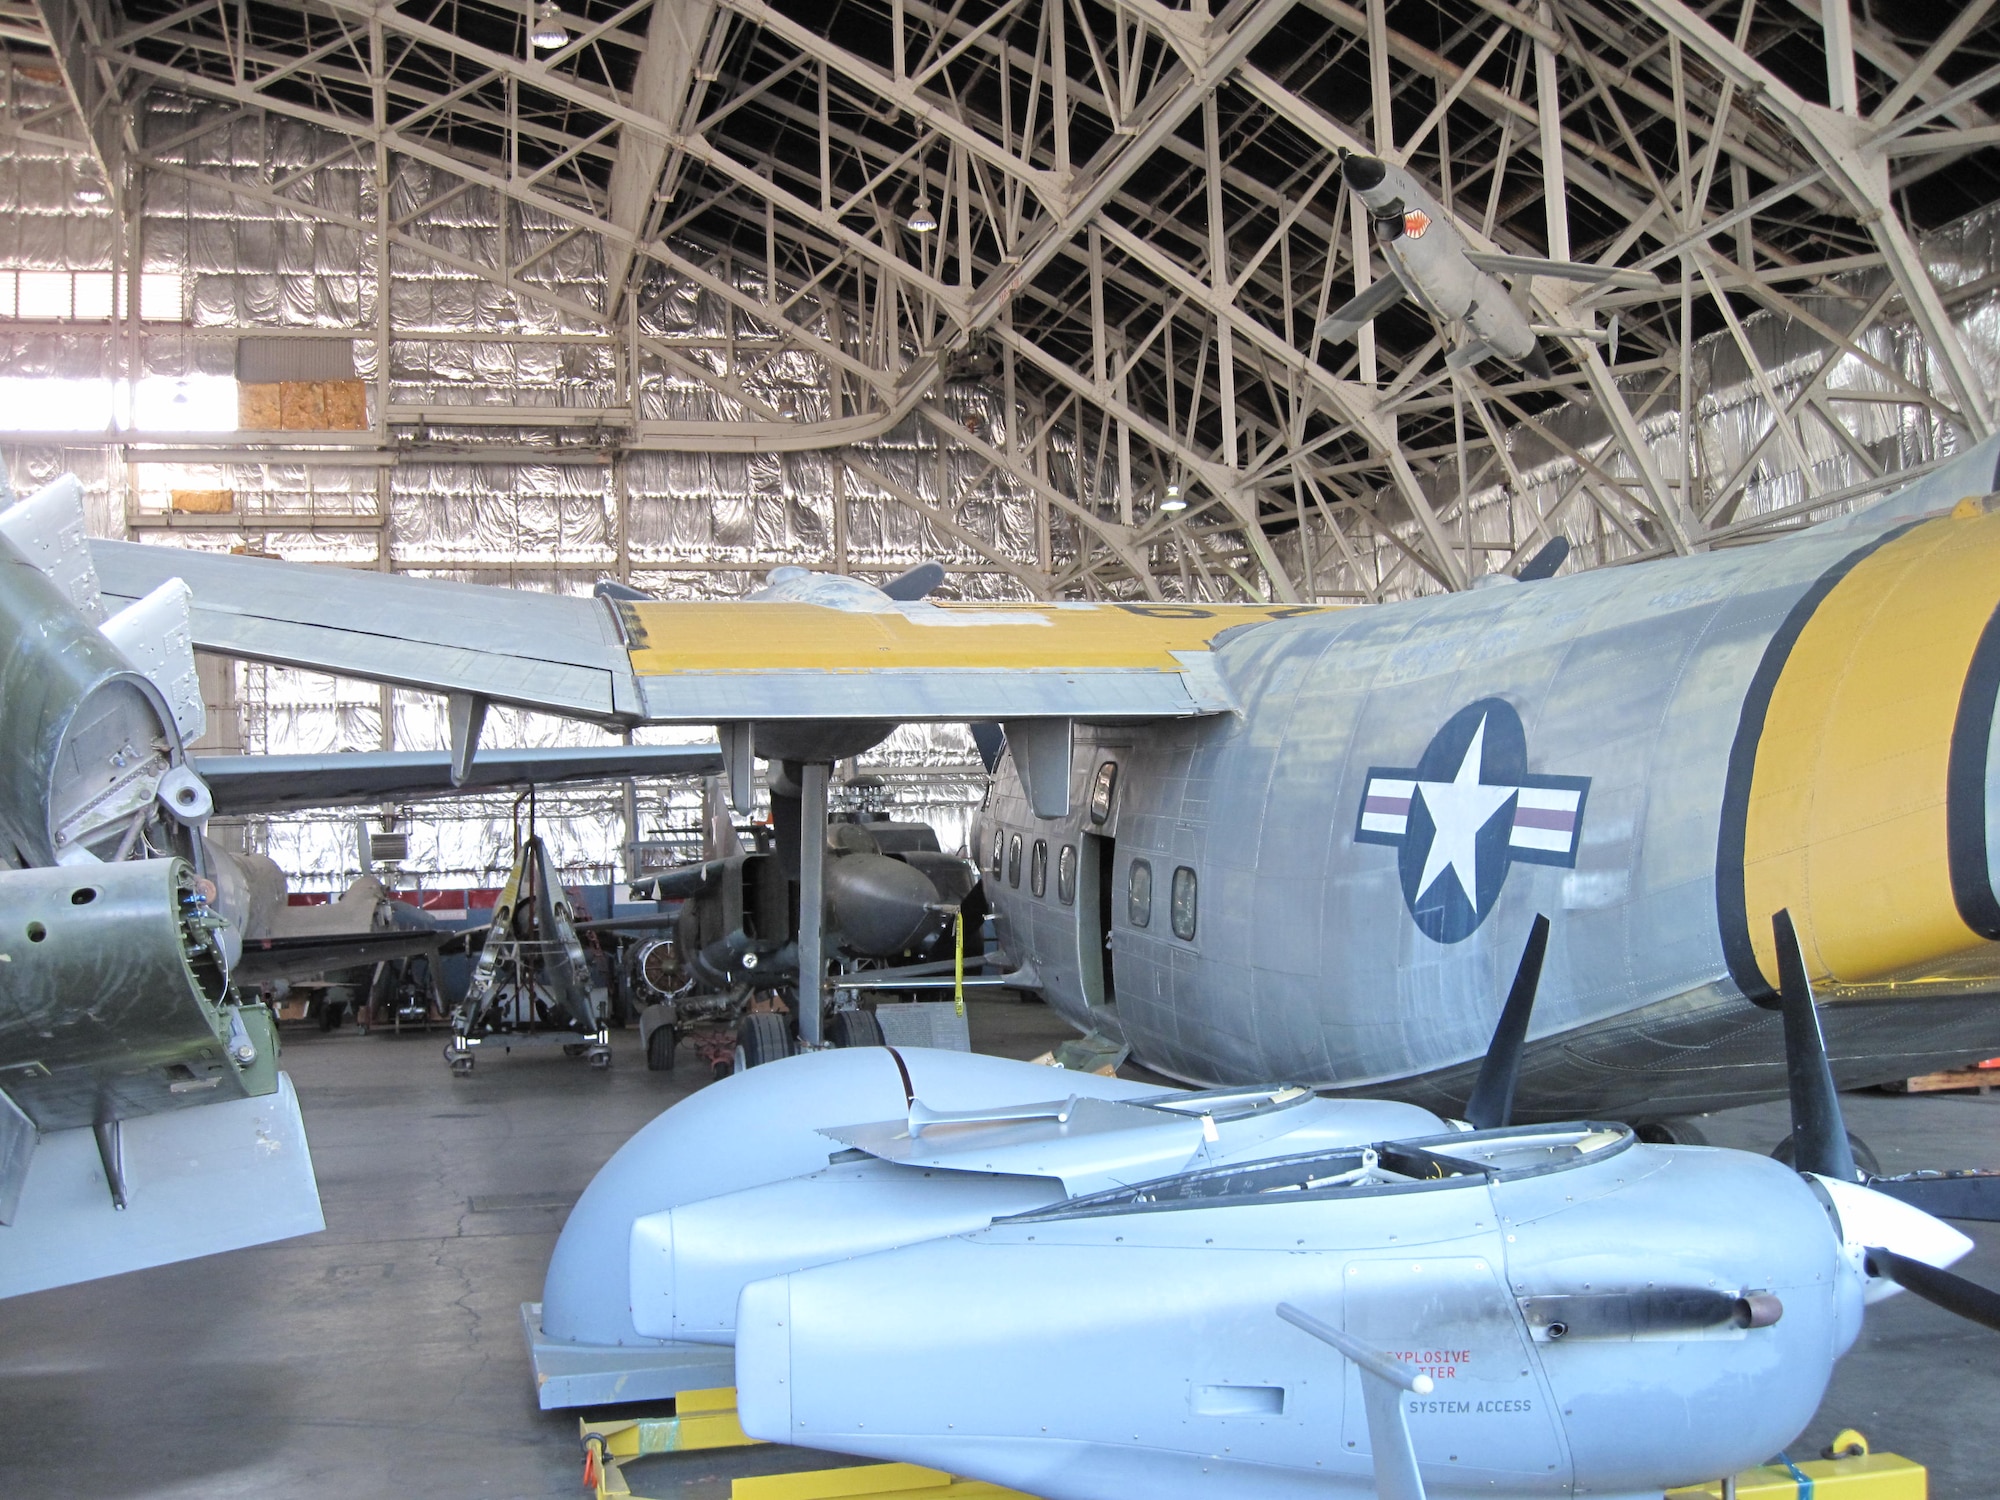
[1846,821]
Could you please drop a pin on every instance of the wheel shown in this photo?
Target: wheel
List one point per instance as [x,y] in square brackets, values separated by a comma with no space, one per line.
[1670,1133]
[460,1066]
[575,1049]
[761,1038]
[853,1028]
[660,1049]
[600,1058]
[1864,1158]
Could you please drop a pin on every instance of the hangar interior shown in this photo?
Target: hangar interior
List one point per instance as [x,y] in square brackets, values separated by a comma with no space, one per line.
[678,292]
[1028,289]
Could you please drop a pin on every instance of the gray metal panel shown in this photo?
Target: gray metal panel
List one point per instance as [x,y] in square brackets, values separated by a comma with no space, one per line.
[212,1178]
[546,651]
[920,693]
[569,1374]
[271,783]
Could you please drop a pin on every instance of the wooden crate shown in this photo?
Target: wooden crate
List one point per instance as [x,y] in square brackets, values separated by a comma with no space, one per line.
[346,405]
[257,408]
[302,405]
[202,502]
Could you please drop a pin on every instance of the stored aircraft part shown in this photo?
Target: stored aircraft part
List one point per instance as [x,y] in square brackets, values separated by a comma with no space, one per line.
[111,983]
[198,1181]
[569,1374]
[880,906]
[1492,1101]
[153,634]
[531,977]
[274,783]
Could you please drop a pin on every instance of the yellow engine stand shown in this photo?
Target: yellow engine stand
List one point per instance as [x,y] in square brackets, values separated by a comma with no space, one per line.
[1856,1474]
[707,1419]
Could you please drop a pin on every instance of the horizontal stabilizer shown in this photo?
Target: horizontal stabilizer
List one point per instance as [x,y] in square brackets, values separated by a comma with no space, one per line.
[1346,320]
[200,1180]
[1565,270]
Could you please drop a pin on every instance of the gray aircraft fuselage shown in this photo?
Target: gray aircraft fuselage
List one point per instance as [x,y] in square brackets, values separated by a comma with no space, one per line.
[1333,884]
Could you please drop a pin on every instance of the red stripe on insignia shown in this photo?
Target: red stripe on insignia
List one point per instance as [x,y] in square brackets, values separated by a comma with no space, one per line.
[1396,806]
[1544,817]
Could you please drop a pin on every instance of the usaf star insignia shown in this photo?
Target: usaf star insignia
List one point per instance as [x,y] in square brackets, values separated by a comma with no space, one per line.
[1465,813]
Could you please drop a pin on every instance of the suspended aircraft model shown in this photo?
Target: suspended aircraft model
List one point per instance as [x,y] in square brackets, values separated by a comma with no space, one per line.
[142,1116]
[1271,841]
[1431,264]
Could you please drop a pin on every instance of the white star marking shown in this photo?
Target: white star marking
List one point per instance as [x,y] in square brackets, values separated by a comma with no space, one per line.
[1459,809]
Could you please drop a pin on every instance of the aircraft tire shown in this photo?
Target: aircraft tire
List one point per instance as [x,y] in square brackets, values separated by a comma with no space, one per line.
[1670,1133]
[660,1049]
[762,1037]
[1864,1158]
[854,1028]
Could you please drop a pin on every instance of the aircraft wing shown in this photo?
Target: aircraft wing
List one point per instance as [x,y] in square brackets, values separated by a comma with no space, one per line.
[1346,320]
[281,783]
[1565,270]
[641,661]
[265,959]
[547,651]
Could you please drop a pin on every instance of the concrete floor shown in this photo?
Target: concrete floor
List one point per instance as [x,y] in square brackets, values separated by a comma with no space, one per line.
[384,1356]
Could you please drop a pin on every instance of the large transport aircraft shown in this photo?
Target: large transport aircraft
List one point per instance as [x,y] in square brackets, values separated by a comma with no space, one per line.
[1253,842]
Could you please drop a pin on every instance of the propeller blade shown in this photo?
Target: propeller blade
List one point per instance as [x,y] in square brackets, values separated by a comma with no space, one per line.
[1819,1134]
[1951,1292]
[907,588]
[1551,555]
[611,588]
[1492,1103]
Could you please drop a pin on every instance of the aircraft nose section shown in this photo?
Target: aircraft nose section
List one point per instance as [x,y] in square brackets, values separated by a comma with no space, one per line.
[1364,172]
[1871,1219]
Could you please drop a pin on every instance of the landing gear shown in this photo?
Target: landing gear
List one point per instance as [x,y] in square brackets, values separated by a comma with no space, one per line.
[762,1037]
[1670,1133]
[599,1056]
[660,1047]
[853,1028]
[1864,1158]
[461,1060]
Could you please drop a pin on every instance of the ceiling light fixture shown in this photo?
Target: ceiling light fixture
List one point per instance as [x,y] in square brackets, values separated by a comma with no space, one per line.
[921,219]
[549,33]
[90,190]
[1173,500]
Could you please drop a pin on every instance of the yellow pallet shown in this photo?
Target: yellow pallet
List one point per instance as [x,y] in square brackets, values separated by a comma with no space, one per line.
[1868,1476]
[707,1419]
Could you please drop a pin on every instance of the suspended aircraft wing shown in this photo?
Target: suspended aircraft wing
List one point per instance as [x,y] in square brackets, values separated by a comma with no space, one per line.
[1348,319]
[640,661]
[1565,270]
[265,959]
[281,783]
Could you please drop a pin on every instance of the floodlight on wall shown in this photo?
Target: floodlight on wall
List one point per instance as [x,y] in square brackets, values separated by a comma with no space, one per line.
[1173,500]
[922,220]
[549,33]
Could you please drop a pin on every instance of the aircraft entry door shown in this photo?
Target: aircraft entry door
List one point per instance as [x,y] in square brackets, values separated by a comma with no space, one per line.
[1097,868]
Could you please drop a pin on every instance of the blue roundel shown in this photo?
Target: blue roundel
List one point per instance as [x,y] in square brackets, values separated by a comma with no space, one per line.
[1465,813]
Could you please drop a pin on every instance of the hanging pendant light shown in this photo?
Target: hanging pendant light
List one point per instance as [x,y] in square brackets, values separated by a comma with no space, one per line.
[549,33]
[922,220]
[1173,500]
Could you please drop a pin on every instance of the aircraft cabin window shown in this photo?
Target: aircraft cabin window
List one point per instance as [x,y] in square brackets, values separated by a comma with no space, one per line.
[999,851]
[1181,907]
[1014,861]
[1100,791]
[1139,894]
[1038,869]
[1066,875]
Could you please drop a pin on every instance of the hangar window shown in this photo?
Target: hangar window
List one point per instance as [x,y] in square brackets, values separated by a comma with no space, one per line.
[1066,875]
[1181,908]
[1101,790]
[1038,869]
[1139,894]
[1014,861]
[999,851]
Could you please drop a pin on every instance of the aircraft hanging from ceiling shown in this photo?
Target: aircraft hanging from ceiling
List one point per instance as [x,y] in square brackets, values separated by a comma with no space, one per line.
[142,1115]
[1431,264]
[1257,841]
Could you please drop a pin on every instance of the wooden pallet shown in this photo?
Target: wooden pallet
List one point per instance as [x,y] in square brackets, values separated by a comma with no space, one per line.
[1983,1077]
